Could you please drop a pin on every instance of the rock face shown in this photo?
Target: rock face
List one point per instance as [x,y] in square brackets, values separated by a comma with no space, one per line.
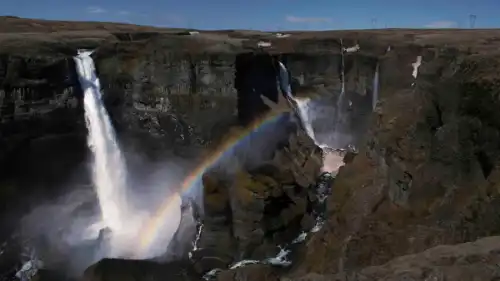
[426,173]
[428,169]
[181,244]
[476,260]
[248,214]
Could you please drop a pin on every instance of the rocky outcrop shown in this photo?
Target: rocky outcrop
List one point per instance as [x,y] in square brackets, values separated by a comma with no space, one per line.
[163,91]
[428,169]
[39,116]
[476,260]
[161,88]
[190,226]
[247,214]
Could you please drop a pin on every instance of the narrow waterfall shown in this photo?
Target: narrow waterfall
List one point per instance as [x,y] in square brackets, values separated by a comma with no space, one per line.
[108,167]
[375,87]
[342,78]
[332,132]
[340,121]
[301,104]
[335,138]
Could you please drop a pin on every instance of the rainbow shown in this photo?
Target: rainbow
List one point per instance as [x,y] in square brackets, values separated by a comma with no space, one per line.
[149,233]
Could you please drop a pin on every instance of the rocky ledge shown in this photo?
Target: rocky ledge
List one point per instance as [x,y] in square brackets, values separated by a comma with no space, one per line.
[427,134]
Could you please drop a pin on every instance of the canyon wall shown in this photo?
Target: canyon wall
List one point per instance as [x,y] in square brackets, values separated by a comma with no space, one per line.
[152,86]
[426,172]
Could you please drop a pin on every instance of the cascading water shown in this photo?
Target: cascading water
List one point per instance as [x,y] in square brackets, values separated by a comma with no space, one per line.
[302,109]
[109,171]
[333,137]
[375,88]
[316,116]
[341,118]
[342,78]
[308,110]
[125,223]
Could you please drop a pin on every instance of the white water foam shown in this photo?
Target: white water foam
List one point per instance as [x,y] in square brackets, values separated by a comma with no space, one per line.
[109,171]
[415,66]
[303,111]
[301,105]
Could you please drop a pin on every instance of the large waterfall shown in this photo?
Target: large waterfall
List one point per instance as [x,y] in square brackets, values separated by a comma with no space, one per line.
[124,220]
[109,171]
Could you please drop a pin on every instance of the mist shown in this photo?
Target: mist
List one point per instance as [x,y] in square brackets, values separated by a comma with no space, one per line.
[256,147]
[68,232]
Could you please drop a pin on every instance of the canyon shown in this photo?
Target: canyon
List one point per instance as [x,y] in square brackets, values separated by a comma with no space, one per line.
[417,197]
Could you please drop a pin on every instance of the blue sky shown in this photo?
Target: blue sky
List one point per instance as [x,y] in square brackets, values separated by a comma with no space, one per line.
[266,14]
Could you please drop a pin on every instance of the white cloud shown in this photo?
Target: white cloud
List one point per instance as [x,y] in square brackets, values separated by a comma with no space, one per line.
[442,24]
[295,19]
[124,13]
[95,10]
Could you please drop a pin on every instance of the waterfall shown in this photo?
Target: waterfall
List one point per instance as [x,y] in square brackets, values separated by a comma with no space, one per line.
[302,110]
[340,118]
[342,79]
[108,167]
[375,88]
[327,133]
[301,105]
[325,130]
[415,66]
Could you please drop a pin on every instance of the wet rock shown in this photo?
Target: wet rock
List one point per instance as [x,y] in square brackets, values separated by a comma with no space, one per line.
[185,236]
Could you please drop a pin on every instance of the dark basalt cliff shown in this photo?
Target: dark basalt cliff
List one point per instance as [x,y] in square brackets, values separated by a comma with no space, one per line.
[426,172]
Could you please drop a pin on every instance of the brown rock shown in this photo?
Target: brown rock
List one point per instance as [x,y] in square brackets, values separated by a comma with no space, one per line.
[254,272]
[216,241]
[476,260]
[266,203]
[420,180]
